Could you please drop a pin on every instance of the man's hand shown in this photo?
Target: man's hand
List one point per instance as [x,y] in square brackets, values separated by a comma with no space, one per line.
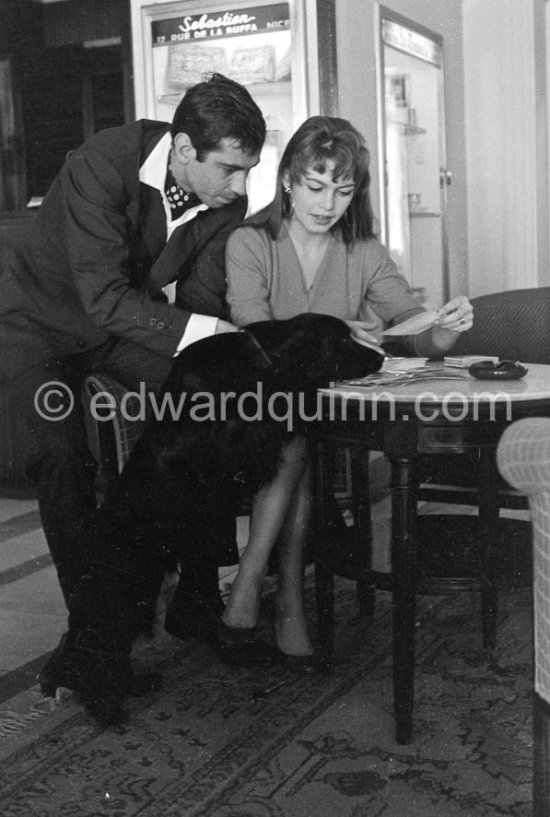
[360,331]
[225,326]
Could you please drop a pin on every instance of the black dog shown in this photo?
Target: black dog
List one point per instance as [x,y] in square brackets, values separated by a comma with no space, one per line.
[240,407]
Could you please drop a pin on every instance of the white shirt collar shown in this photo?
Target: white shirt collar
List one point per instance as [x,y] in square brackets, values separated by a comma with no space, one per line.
[153,170]
[153,173]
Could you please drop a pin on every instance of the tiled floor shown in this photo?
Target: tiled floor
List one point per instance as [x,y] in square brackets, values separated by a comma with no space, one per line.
[32,611]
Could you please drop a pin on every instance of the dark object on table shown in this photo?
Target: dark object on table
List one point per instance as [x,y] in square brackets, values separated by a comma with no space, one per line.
[504,370]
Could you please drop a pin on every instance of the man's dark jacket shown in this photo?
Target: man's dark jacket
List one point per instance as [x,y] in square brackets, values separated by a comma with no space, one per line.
[93,263]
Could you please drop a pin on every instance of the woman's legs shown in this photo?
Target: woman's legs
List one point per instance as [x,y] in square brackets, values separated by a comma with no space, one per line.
[281,507]
[269,511]
[290,621]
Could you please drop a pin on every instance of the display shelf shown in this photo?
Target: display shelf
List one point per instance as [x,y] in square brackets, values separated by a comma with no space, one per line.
[258,89]
[269,88]
[413,130]
[171,99]
[408,130]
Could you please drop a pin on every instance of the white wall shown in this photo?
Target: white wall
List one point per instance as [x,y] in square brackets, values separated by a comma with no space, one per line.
[356,43]
[498,120]
[506,134]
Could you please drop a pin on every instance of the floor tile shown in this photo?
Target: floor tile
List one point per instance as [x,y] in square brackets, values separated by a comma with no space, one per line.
[22,548]
[37,594]
[24,636]
[14,507]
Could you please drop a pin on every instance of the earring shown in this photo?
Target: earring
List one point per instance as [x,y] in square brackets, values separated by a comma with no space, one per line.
[288,206]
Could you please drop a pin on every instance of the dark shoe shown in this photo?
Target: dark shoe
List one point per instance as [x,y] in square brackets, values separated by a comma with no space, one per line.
[60,672]
[100,679]
[193,620]
[240,647]
[93,688]
[196,618]
[196,604]
[300,664]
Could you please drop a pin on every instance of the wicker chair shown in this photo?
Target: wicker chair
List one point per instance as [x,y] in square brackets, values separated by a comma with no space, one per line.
[524,461]
[111,440]
[512,325]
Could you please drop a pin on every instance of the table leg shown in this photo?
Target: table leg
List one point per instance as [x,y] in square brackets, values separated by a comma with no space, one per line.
[404,501]
[360,477]
[488,515]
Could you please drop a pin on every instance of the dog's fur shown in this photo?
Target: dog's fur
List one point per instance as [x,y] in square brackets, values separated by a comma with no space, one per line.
[168,498]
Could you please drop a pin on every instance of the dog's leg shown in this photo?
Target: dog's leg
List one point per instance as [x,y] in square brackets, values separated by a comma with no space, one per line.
[93,658]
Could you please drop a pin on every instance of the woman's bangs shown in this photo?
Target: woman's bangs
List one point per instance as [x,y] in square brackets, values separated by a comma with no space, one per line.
[341,156]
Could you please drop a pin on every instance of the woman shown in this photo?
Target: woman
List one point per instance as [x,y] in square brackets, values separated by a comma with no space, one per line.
[314,249]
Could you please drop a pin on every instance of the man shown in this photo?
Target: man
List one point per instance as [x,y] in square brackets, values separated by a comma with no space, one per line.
[134,209]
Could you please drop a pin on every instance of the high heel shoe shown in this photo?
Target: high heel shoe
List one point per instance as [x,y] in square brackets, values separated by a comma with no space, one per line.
[305,664]
[241,647]
[98,675]
[300,663]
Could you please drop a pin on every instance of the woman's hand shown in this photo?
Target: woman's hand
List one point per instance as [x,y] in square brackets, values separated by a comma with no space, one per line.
[457,315]
[359,331]
[454,317]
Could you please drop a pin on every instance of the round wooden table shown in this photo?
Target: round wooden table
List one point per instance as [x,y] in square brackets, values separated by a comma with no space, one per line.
[446,411]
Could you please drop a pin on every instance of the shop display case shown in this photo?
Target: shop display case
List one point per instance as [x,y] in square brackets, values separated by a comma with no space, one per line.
[412,136]
[271,47]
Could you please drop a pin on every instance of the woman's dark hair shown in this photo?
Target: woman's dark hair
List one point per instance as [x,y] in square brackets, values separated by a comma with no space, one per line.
[216,109]
[318,140]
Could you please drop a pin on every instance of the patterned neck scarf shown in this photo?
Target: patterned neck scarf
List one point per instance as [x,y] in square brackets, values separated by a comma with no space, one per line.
[178,199]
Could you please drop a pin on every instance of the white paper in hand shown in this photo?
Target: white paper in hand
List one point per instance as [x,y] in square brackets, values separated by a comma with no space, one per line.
[415,325]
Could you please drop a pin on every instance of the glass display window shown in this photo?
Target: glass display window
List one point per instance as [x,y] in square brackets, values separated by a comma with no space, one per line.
[263,46]
[414,174]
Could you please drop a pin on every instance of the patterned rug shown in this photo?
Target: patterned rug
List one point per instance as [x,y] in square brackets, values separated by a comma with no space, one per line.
[223,742]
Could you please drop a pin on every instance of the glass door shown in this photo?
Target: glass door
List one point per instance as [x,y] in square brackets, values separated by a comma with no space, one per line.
[415,177]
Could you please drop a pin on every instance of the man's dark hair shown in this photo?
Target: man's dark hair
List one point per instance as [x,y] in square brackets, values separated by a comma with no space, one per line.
[216,109]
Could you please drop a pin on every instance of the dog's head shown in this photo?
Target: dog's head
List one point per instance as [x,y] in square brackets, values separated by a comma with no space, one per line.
[310,351]
[303,353]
